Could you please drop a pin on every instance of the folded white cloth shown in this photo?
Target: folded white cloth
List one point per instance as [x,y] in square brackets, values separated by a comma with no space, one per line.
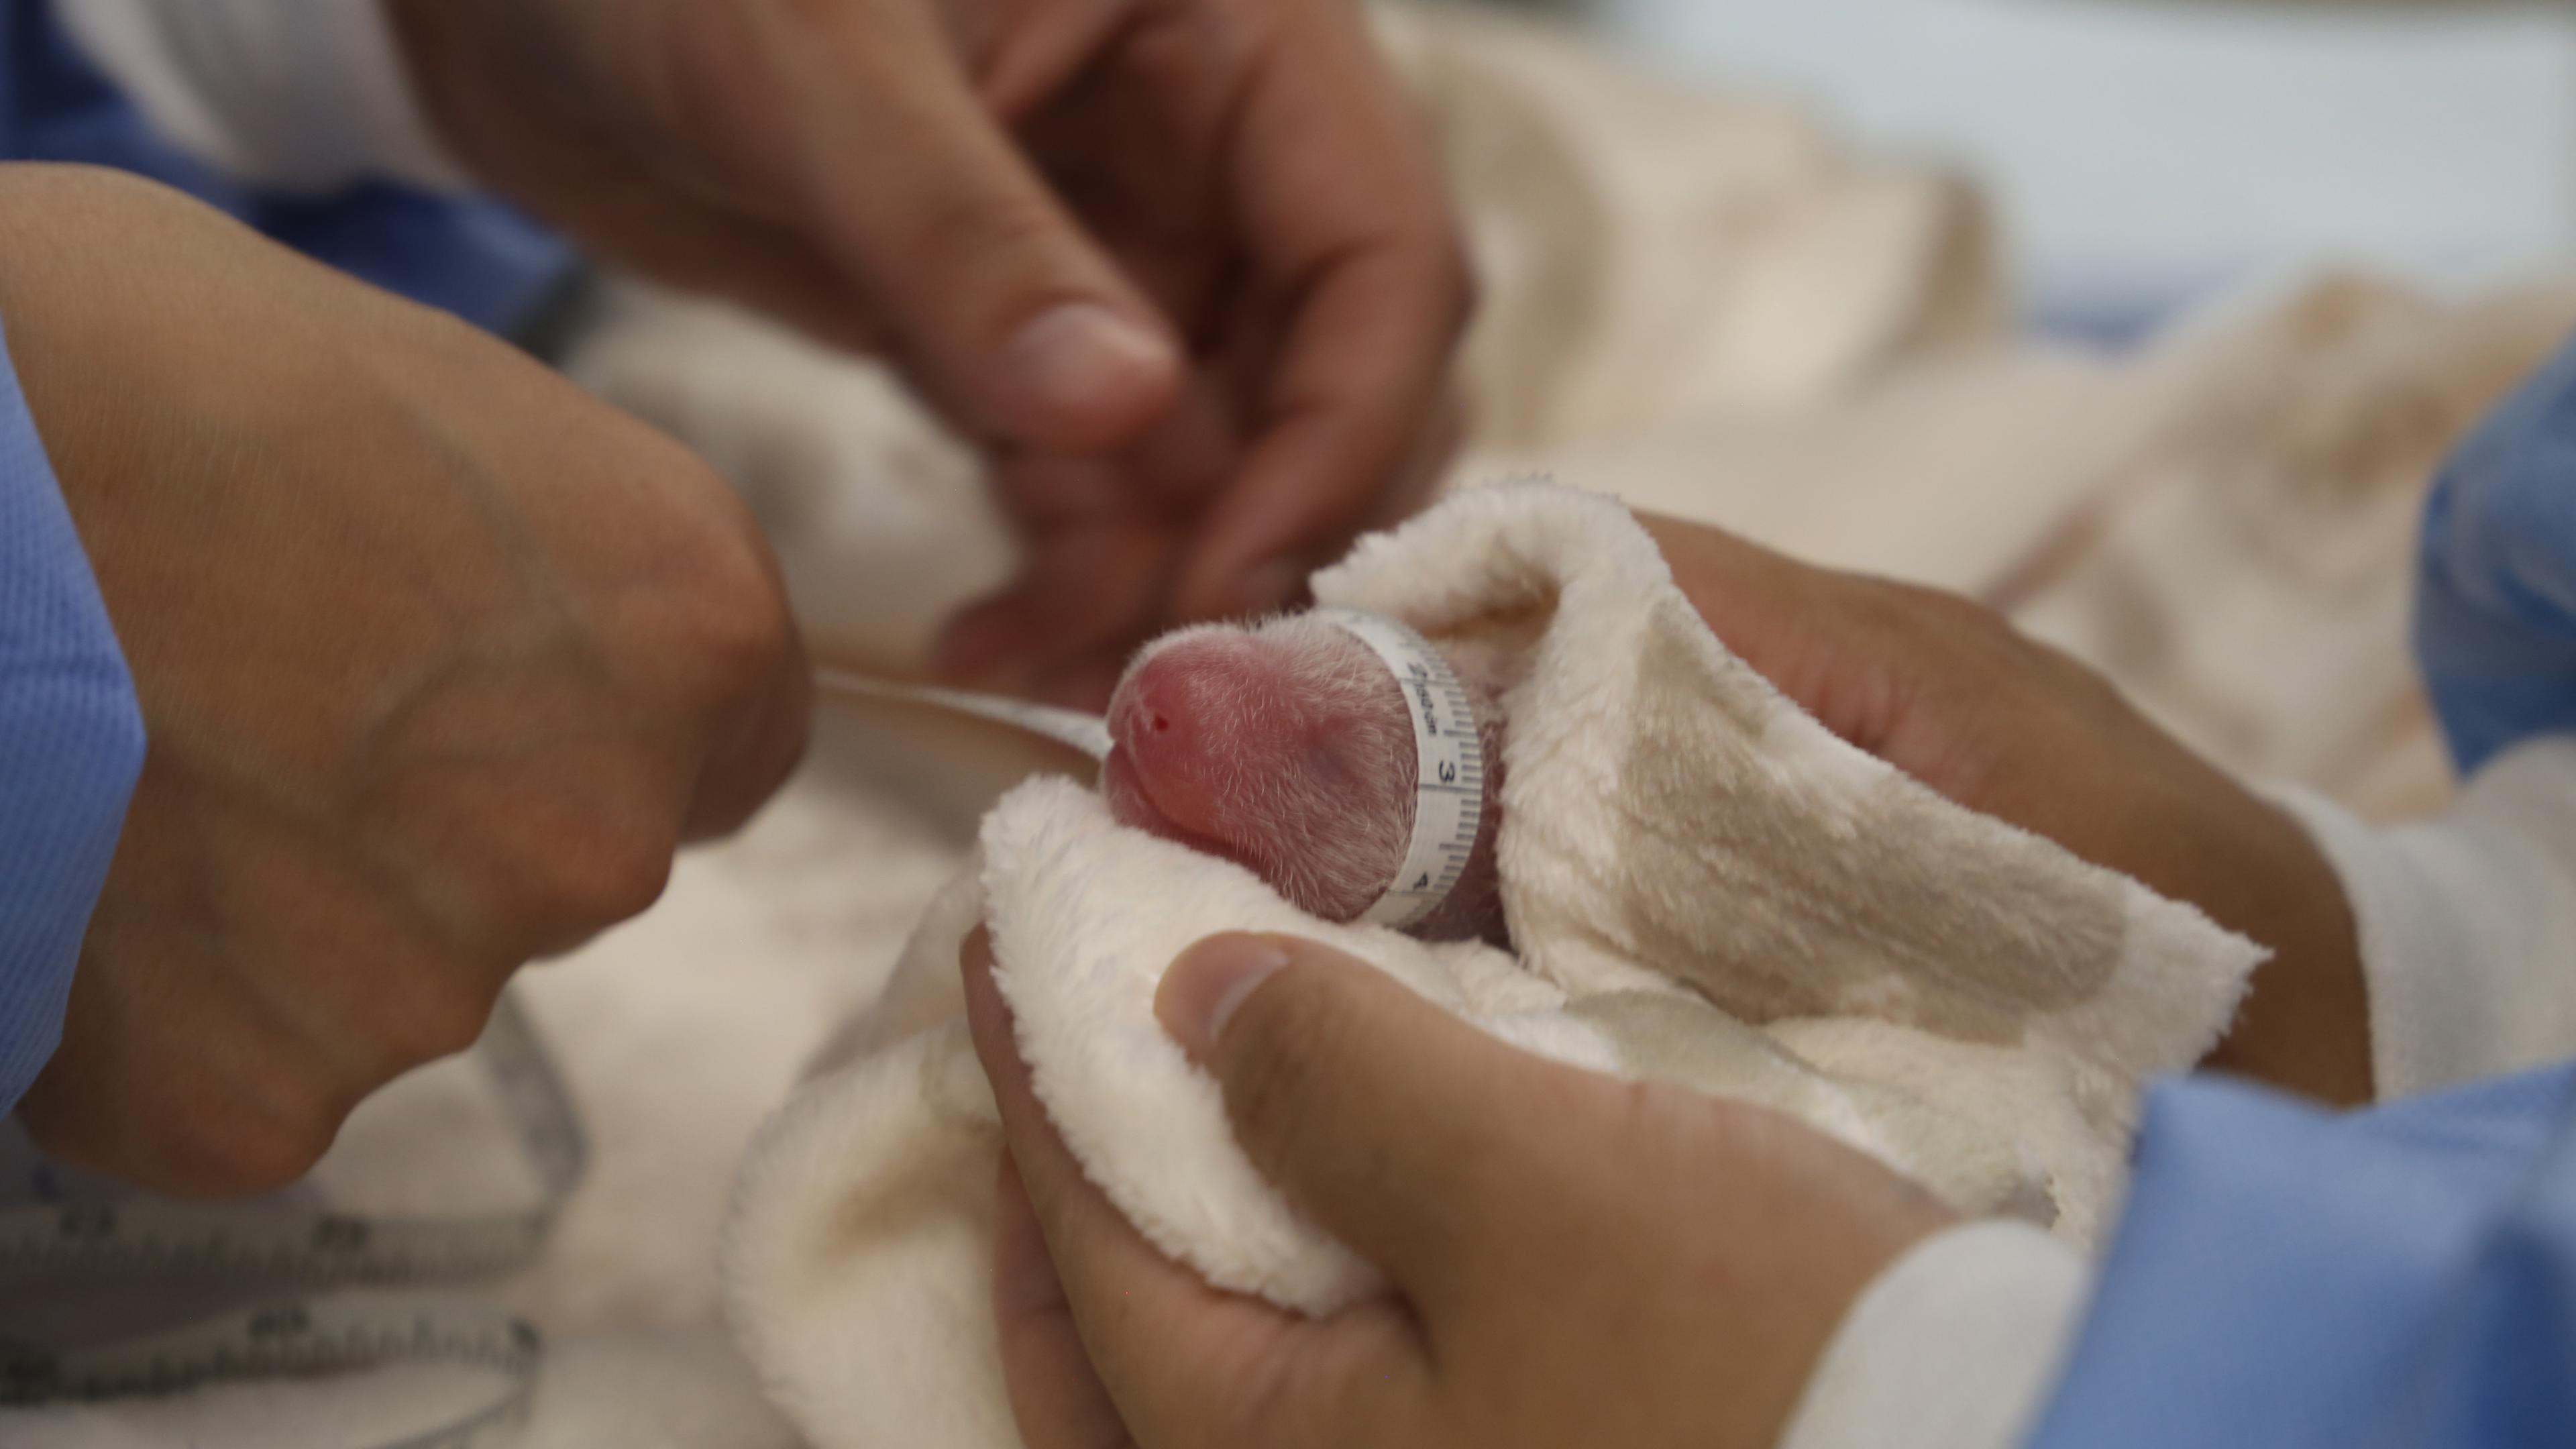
[1703,885]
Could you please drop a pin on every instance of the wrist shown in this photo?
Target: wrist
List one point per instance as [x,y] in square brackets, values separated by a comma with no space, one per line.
[2304,1024]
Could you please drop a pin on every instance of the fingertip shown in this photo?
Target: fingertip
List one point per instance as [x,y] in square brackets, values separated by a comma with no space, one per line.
[1208,983]
[1216,589]
[1083,376]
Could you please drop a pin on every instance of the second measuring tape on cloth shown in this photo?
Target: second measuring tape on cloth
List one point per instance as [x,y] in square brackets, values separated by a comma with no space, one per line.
[1702,886]
[106,1294]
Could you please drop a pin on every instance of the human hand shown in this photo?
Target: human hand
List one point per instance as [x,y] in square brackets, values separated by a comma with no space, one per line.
[439,659]
[1574,1259]
[1183,267]
[1950,693]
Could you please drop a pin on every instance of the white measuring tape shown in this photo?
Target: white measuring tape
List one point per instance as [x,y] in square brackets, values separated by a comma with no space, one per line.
[302,1332]
[1088,733]
[1449,775]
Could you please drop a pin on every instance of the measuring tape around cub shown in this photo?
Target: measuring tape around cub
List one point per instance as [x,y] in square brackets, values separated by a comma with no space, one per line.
[1449,784]
[1449,779]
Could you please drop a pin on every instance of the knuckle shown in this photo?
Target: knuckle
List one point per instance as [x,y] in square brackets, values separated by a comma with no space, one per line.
[248,1134]
[602,872]
[1960,638]
[437,1014]
[733,627]
[582,856]
[745,637]
[578,856]
[967,230]
[731,652]
[1945,610]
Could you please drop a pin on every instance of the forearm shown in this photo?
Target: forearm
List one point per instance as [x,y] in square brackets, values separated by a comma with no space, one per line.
[2304,1024]
[297,94]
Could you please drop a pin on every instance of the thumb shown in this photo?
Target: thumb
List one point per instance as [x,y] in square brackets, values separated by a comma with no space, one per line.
[1399,1127]
[1001,304]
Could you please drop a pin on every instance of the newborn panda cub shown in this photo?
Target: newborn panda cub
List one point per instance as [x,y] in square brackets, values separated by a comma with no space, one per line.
[1288,748]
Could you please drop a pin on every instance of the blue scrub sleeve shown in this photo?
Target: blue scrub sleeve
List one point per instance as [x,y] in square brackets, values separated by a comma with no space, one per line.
[2495,607]
[2404,1276]
[71,744]
[2287,1279]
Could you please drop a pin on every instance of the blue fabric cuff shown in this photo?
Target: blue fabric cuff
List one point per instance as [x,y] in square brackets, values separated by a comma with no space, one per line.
[2287,1278]
[71,744]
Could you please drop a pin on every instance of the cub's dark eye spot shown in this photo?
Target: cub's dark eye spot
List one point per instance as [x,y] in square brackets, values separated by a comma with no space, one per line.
[1162,723]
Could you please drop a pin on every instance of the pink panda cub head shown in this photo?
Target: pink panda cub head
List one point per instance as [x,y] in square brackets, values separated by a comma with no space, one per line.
[1285,748]
[1288,748]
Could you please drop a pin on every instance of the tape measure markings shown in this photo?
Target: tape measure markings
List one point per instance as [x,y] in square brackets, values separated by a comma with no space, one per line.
[1449,758]
[318,1333]
[1449,767]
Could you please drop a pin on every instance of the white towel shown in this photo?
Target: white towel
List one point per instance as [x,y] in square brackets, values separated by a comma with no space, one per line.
[1703,885]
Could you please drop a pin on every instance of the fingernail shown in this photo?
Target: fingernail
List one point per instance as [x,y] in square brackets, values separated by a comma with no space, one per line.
[1210,982]
[1082,365]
